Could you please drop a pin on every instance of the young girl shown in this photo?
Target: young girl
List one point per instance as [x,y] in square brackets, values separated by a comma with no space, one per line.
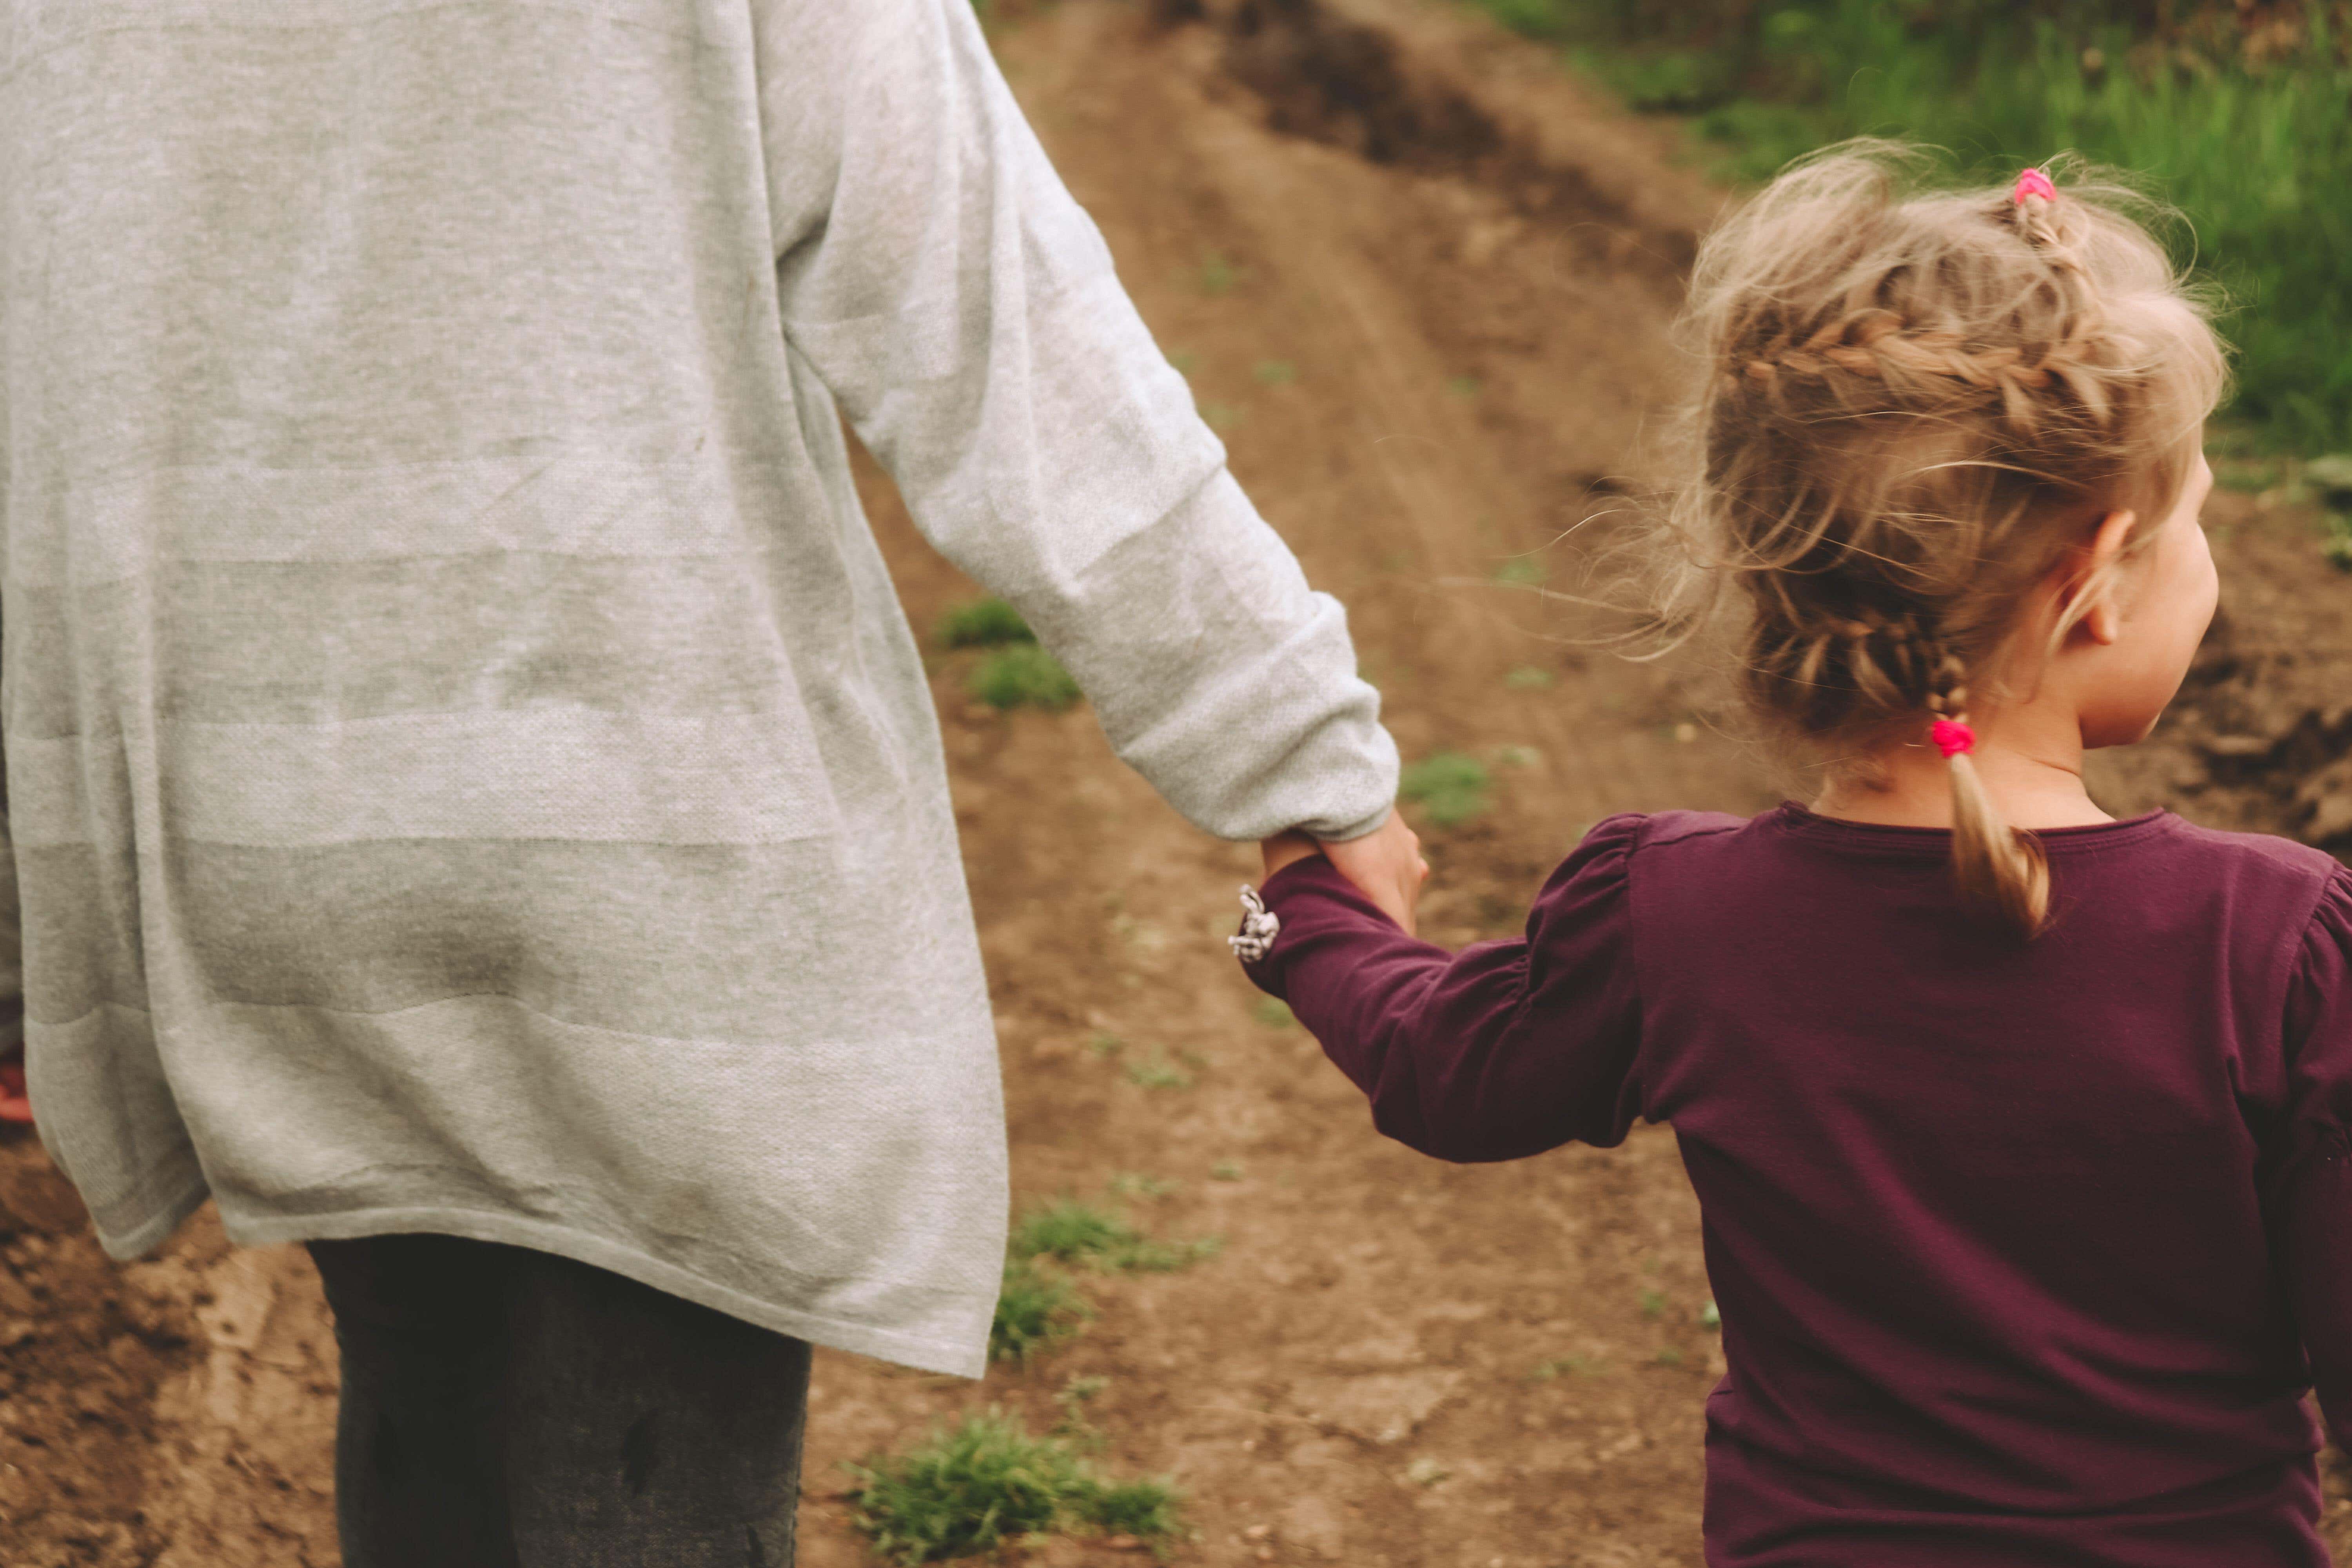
[2022,1155]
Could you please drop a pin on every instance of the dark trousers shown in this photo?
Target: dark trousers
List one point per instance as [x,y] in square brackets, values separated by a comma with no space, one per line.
[505,1408]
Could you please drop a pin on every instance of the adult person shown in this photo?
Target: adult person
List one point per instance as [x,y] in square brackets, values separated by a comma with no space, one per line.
[476,804]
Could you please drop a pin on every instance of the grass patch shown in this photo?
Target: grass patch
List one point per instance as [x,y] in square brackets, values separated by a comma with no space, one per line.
[1075,1232]
[1709,1316]
[1218,276]
[1519,571]
[1225,1171]
[1451,786]
[1529,677]
[1038,1309]
[1156,1071]
[2244,118]
[1021,673]
[984,622]
[1141,1185]
[1546,1371]
[1273,1013]
[1275,371]
[1653,1302]
[1221,416]
[968,1491]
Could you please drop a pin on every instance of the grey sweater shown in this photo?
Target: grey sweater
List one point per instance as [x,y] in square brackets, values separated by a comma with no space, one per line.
[467,769]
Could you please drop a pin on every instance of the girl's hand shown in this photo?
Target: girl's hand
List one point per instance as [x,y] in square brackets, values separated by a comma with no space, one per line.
[1385,864]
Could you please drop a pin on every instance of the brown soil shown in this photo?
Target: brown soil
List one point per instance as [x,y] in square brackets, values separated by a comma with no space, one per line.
[1469,269]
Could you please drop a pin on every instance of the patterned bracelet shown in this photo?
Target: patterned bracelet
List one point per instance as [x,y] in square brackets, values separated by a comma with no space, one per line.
[1259,927]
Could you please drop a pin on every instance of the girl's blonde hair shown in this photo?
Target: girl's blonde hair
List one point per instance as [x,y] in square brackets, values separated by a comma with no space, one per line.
[1914,403]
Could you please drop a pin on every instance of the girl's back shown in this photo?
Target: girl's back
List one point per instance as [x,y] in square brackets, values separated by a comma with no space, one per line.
[1985,1219]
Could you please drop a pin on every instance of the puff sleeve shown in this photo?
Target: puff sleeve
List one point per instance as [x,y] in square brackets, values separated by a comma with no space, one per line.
[1502,1051]
[2309,1197]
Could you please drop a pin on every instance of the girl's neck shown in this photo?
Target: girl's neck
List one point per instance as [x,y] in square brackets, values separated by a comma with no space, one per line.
[2033,771]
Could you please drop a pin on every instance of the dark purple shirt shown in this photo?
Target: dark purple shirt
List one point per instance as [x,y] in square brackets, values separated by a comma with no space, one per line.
[2026,1252]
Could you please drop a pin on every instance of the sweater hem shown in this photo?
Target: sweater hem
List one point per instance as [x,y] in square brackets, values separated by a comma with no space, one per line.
[601,1252]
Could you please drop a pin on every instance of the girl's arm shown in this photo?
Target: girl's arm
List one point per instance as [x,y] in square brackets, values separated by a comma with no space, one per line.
[1504,1050]
[2309,1197]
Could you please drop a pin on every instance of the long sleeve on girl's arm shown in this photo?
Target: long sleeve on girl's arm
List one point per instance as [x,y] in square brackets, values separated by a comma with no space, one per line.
[964,311]
[1504,1050]
[2309,1196]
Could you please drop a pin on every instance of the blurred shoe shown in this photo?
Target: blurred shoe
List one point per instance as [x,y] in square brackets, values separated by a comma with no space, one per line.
[13,1105]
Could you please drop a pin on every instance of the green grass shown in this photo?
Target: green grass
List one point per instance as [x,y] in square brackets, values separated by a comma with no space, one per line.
[1021,673]
[1653,1302]
[1451,786]
[1529,677]
[1275,371]
[1073,1231]
[966,1491]
[1038,1309]
[984,622]
[1158,1071]
[2257,152]
[1273,1013]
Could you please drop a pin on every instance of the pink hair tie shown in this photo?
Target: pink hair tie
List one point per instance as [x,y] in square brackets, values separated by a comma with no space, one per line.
[1952,737]
[2033,183]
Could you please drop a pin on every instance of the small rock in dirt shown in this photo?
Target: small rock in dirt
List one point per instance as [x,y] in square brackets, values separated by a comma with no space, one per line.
[1312,1524]
[2235,745]
[2331,476]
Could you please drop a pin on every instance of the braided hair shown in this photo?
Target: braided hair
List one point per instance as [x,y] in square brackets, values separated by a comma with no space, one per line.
[1914,403]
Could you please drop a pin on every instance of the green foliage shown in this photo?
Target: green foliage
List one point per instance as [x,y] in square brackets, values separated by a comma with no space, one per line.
[984,622]
[1024,672]
[1653,1302]
[1141,1184]
[1157,1072]
[1073,1231]
[966,1491]
[1038,1309]
[1669,1357]
[1451,786]
[2253,145]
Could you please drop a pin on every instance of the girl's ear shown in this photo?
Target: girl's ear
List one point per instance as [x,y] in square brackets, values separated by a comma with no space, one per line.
[2092,572]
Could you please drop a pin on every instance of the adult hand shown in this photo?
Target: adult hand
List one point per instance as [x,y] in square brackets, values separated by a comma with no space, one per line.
[1385,864]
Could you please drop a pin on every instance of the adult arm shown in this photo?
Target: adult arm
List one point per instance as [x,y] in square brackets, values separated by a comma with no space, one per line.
[964,312]
[1504,1050]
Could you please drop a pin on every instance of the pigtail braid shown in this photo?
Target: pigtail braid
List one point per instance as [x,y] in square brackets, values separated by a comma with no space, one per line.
[1995,866]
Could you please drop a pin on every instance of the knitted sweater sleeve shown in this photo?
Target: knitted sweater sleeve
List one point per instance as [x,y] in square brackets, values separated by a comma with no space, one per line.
[964,311]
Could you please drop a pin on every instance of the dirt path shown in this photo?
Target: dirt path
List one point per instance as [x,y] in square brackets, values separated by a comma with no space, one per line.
[1421,287]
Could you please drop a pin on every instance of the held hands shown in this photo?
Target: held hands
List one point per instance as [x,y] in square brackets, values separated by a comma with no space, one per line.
[1385,864]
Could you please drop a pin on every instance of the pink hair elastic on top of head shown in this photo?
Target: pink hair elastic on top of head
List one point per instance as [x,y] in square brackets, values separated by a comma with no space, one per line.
[1952,738]
[2033,183]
